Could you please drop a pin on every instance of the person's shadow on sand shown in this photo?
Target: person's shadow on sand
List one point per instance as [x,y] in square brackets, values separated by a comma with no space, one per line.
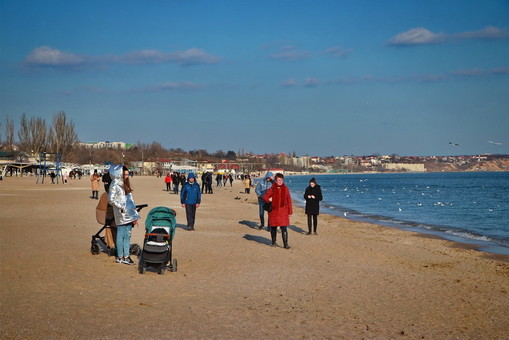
[181,226]
[297,229]
[250,224]
[258,239]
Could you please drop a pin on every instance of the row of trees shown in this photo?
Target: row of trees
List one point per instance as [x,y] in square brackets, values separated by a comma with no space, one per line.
[35,136]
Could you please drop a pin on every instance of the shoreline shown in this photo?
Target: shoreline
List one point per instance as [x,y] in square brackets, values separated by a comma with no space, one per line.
[354,280]
[486,247]
[474,242]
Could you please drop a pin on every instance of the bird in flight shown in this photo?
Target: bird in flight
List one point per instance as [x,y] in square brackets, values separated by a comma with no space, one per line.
[454,144]
[496,143]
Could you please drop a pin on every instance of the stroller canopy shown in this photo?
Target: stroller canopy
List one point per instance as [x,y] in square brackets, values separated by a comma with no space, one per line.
[162,217]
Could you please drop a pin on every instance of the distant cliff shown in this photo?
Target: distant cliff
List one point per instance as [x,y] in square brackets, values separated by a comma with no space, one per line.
[489,165]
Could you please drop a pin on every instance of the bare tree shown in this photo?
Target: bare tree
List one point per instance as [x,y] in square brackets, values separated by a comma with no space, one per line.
[9,133]
[32,134]
[62,136]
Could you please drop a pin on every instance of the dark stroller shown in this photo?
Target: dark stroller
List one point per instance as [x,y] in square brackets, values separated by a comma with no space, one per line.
[104,216]
[160,227]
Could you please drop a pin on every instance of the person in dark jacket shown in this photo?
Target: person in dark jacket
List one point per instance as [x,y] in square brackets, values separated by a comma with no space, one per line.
[106,179]
[313,196]
[190,198]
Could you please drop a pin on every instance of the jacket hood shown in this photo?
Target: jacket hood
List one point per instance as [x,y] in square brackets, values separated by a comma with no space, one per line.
[116,171]
[269,174]
[191,175]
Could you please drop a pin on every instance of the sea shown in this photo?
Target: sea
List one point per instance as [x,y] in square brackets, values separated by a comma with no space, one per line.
[466,207]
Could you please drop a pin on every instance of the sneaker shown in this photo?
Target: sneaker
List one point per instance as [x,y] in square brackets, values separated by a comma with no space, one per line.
[128,261]
[119,260]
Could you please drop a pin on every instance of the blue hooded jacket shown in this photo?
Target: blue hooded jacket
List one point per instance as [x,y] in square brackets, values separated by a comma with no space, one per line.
[263,185]
[190,193]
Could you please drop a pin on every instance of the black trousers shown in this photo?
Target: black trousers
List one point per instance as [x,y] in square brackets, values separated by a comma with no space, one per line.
[190,215]
[315,222]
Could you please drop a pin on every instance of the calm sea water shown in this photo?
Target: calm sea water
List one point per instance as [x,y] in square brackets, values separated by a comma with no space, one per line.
[463,207]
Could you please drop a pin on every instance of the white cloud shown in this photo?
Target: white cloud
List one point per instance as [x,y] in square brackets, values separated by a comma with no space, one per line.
[289,53]
[191,56]
[416,36]
[47,56]
[179,86]
[311,82]
[290,83]
[422,36]
[489,32]
[337,52]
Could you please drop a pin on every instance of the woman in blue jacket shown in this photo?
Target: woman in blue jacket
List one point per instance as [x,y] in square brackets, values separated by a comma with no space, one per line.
[190,198]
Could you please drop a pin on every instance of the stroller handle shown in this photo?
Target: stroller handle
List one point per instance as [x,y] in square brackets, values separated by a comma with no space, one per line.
[141,206]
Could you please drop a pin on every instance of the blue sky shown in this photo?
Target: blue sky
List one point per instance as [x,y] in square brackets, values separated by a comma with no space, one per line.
[317,77]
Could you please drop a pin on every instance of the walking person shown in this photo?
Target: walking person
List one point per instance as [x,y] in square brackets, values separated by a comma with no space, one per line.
[279,195]
[204,183]
[95,179]
[120,197]
[313,196]
[175,178]
[261,189]
[190,198]
[208,187]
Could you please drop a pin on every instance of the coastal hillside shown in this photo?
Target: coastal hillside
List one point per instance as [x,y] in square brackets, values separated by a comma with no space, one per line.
[489,165]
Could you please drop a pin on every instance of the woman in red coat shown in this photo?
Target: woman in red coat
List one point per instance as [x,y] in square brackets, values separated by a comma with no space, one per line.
[279,195]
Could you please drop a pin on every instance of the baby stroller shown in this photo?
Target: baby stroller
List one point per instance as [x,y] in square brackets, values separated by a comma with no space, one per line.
[104,216]
[157,246]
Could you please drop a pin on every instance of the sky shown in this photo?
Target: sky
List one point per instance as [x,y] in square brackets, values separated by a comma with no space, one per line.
[314,77]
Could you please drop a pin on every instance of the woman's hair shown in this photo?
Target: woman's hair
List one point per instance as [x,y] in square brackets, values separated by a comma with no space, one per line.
[127,184]
[280,175]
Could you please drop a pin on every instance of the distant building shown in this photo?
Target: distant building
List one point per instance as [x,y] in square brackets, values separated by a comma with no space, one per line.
[106,145]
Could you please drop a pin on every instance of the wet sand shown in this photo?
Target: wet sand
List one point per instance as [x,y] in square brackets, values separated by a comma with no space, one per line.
[353,281]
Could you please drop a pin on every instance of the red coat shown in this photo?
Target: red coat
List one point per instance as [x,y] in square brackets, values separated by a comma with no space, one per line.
[281,205]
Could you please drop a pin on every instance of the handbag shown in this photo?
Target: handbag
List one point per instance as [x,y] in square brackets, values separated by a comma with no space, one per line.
[267,206]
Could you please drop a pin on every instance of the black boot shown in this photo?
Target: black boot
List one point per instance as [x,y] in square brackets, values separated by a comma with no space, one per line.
[285,239]
[273,235]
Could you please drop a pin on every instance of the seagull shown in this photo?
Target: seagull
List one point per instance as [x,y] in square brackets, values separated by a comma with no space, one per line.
[496,143]
[454,144]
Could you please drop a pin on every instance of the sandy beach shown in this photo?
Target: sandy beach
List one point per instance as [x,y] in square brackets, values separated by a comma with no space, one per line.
[353,281]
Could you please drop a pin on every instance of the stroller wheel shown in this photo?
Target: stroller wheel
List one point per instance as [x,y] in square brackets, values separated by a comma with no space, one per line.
[161,270]
[142,270]
[134,249]
[111,251]
[95,248]
[173,267]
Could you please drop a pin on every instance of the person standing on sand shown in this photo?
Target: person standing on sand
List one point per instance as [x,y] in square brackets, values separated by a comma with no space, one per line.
[95,179]
[167,180]
[106,179]
[261,189]
[313,196]
[282,209]
[190,198]
[247,184]
[120,197]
